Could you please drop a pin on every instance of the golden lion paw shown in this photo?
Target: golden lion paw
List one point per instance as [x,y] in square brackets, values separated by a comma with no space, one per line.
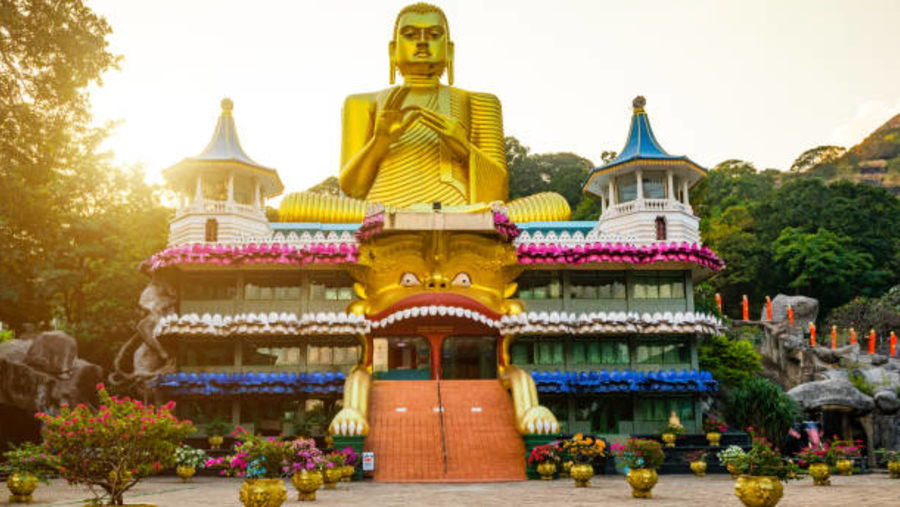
[538,420]
[349,422]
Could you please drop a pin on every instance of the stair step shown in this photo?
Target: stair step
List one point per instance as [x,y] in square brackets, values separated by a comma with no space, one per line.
[482,443]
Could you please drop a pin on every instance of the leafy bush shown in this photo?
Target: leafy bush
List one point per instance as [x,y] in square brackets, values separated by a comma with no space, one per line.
[583,449]
[673,428]
[858,380]
[255,457]
[303,455]
[730,455]
[762,459]
[187,456]
[29,458]
[760,404]
[114,447]
[640,453]
[713,425]
[547,453]
[730,361]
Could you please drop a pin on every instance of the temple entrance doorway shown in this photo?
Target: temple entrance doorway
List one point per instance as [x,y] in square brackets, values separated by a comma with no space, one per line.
[401,358]
[469,358]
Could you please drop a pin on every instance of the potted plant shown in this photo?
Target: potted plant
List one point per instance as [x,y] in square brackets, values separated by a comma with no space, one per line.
[260,461]
[302,462]
[216,431]
[892,458]
[113,448]
[820,459]
[27,464]
[544,458]
[728,457]
[583,451]
[188,460]
[350,461]
[671,430]
[332,469]
[697,460]
[762,470]
[641,458]
[844,453]
[714,429]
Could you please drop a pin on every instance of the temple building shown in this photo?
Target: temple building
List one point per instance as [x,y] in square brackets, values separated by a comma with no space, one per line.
[444,336]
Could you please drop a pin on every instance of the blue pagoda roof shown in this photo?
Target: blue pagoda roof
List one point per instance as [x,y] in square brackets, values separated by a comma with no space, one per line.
[246,383]
[624,381]
[642,145]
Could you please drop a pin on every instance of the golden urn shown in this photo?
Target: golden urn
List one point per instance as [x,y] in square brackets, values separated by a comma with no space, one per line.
[820,474]
[347,473]
[546,470]
[758,490]
[844,467]
[669,439]
[894,469]
[714,438]
[699,468]
[566,468]
[582,473]
[21,486]
[185,472]
[732,469]
[642,481]
[215,441]
[306,483]
[263,493]
[331,476]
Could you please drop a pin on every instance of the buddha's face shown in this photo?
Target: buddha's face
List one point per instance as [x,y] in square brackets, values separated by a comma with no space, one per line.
[421,44]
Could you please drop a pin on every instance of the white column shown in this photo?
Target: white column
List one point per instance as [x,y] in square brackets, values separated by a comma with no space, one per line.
[684,192]
[612,191]
[640,184]
[231,186]
[602,205]
[671,185]
[256,196]
[198,193]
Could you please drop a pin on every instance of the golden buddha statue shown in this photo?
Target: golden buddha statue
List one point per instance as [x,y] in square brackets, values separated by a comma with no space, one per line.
[421,142]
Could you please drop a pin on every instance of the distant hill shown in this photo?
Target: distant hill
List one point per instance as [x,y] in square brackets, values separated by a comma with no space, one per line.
[875,161]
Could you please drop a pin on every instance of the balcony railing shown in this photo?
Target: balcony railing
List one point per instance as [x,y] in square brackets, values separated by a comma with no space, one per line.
[207,206]
[653,205]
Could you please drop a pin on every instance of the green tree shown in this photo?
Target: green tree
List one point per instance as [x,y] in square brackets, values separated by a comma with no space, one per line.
[817,156]
[762,404]
[731,361]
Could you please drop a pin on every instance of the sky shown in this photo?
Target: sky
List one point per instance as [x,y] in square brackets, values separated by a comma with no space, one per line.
[756,80]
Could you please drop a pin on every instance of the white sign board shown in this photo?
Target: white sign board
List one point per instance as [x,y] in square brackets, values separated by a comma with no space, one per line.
[368,462]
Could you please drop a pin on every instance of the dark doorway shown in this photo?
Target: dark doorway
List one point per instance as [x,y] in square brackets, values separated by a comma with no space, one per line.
[469,357]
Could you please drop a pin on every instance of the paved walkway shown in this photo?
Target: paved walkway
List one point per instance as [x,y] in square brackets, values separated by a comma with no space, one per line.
[672,490]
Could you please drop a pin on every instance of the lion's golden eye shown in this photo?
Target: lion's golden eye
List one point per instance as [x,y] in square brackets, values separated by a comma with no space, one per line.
[462,280]
[409,280]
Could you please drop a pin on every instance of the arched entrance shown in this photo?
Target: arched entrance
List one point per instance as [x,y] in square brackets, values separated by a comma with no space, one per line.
[401,358]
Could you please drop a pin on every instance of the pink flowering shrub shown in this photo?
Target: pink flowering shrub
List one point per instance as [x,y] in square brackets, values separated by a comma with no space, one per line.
[254,457]
[113,448]
[303,455]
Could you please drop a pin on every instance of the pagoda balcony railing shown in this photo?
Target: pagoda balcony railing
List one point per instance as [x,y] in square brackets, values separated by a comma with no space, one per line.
[651,205]
[211,206]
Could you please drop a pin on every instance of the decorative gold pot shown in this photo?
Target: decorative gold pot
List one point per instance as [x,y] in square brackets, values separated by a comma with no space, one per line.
[894,469]
[669,439]
[820,474]
[546,470]
[642,481]
[732,470]
[844,467]
[566,469]
[582,473]
[714,438]
[758,490]
[306,483]
[21,486]
[347,473]
[331,476]
[699,468]
[185,472]
[215,441]
[263,493]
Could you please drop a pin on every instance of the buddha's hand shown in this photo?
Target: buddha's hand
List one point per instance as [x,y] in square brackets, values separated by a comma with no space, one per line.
[348,422]
[538,419]
[392,121]
[450,129]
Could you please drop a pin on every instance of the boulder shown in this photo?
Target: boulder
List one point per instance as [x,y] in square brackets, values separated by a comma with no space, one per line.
[832,394]
[806,310]
[53,352]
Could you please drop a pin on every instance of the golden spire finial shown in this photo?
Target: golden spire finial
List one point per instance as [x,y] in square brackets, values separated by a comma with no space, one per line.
[227,105]
[639,102]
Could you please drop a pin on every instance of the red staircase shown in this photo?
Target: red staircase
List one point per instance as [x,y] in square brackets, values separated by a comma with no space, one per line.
[479,442]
